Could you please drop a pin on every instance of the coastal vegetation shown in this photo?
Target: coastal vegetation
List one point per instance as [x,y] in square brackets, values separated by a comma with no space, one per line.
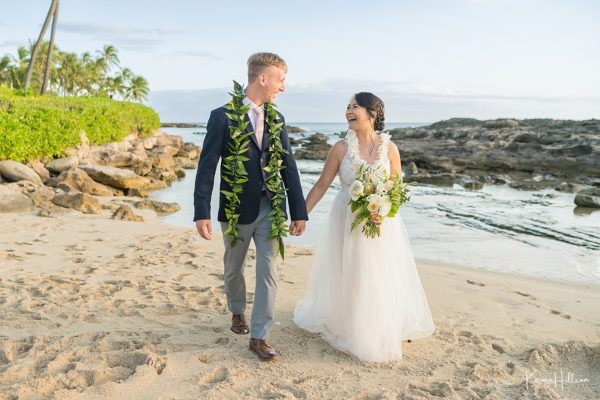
[34,126]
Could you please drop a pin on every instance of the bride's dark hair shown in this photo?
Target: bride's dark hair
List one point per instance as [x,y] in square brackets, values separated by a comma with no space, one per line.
[375,107]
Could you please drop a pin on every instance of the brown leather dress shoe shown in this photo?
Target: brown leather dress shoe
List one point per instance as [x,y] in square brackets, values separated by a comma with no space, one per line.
[239,325]
[262,349]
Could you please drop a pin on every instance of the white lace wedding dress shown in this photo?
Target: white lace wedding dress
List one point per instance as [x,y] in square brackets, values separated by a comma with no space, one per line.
[364,296]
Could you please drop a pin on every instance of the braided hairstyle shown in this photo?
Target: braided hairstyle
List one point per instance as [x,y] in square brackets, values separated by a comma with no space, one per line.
[374,106]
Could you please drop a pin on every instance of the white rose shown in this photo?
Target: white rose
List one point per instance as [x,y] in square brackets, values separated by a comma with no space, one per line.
[374,203]
[356,189]
[385,206]
[380,187]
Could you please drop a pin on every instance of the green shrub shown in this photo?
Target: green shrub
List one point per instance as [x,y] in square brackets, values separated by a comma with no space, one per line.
[45,126]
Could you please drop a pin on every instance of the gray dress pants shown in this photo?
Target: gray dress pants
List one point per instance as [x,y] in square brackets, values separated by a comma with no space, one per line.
[263,309]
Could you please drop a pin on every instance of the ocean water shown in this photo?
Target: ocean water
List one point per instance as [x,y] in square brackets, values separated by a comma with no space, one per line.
[538,234]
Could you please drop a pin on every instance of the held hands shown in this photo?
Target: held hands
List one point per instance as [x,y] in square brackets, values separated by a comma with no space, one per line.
[204,228]
[297,227]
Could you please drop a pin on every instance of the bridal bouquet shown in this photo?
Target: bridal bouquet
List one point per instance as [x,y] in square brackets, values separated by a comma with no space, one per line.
[375,196]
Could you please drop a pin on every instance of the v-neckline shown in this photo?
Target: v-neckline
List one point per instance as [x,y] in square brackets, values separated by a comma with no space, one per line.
[377,150]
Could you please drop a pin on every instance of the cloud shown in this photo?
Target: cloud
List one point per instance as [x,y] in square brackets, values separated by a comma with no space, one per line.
[105,29]
[199,54]
[136,39]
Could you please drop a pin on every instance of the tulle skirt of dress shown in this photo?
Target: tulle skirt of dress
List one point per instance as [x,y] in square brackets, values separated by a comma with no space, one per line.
[364,296]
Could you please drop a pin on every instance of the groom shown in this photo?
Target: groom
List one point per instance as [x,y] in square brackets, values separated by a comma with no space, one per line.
[266,79]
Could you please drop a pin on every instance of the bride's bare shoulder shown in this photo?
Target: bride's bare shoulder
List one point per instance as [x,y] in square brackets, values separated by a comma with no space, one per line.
[336,152]
[393,151]
[339,148]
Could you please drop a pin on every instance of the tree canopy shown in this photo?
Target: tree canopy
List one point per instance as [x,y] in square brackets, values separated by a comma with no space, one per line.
[98,74]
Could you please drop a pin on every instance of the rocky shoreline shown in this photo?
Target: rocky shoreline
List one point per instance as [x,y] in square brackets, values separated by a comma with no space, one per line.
[127,170]
[181,125]
[529,154]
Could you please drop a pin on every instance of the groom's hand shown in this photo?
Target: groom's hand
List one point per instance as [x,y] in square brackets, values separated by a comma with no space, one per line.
[297,227]
[204,228]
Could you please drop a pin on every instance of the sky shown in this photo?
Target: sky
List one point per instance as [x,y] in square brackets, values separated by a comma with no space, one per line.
[428,60]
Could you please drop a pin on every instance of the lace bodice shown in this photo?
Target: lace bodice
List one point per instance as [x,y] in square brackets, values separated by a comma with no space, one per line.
[352,159]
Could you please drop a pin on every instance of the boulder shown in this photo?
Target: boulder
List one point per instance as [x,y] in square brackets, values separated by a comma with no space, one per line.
[189,150]
[13,200]
[144,168]
[500,179]
[168,150]
[180,172]
[62,164]
[117,177]
[149,143]
[138,193]
[315,147]
[158,206]
[78,201]
[124,159]
[125,213]
[163,139]
[40,195]
[165,175]
[13,171]
[80,180]
[525,137]
[39,169]
[472,184]
[567,187]
[443,179]
[184,162]
[588,198]
[162,161]
[411,170]
[501,123]
[66,188]
[575,151]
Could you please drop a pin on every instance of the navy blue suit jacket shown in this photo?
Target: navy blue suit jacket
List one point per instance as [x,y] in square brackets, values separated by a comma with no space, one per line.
[215,148]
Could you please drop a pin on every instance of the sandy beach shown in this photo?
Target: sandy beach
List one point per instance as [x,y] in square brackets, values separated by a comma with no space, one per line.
[95,308]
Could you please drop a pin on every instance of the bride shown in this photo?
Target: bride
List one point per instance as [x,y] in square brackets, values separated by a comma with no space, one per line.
[364,295]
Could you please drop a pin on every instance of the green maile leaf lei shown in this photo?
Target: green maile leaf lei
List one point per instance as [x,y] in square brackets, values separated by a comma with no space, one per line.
[235,173]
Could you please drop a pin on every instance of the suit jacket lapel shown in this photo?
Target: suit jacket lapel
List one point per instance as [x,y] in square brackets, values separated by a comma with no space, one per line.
[265,138]
[250,128]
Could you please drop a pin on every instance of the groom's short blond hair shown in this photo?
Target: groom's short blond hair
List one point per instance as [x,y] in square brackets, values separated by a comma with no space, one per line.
[257,62]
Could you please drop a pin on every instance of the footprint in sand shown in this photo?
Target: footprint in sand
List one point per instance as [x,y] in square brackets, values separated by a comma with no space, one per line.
[475,283]
[290,391]
[12,255]
[556,312]
[217,375]
[208,356]
[217,275]
[222,341]
[498,348]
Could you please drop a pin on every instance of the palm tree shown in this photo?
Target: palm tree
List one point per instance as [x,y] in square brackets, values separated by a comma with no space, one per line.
[5,66]
[50,46]
[109,56]
[38,44]
[138,88]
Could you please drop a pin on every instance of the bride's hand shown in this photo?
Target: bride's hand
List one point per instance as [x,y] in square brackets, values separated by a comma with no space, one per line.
[376,219]
[297,227]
